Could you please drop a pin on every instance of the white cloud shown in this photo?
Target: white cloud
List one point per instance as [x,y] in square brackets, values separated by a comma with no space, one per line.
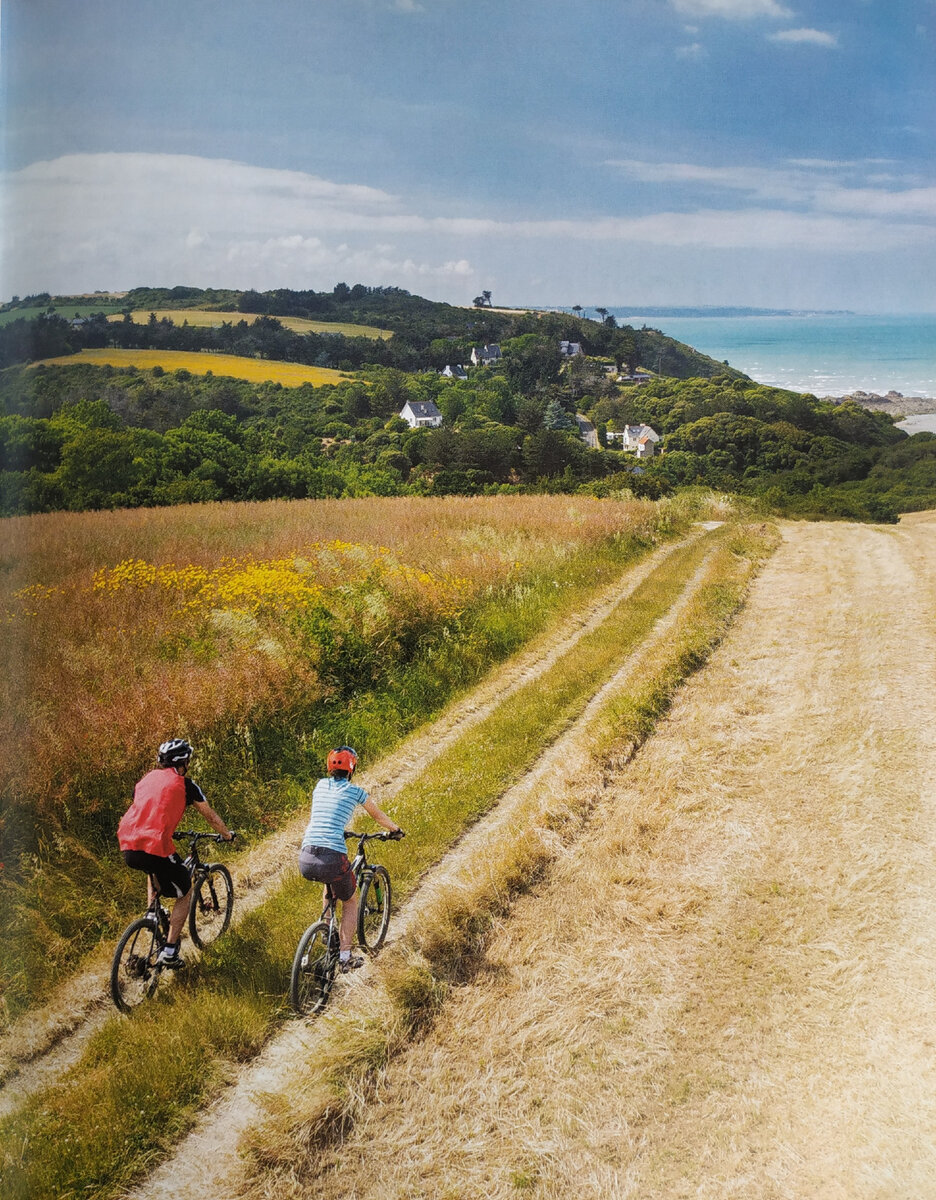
[805,37]
[694,50]
[120,220]
[731,10]
[822,186]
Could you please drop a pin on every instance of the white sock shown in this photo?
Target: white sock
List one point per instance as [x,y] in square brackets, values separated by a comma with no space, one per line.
[344,955]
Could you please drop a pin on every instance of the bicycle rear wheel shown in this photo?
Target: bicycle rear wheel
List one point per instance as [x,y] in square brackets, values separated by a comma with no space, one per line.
[313,970]
[212,904]
[134,973]
[374,909]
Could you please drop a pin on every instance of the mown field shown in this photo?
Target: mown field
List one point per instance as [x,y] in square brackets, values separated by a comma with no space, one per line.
[214,320]
[263,632]
[254,370]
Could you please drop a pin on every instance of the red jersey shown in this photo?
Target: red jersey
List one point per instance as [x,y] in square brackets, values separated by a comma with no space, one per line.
[159,801]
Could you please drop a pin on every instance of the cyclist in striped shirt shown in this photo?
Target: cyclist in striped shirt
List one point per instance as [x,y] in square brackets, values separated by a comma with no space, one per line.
[323,857]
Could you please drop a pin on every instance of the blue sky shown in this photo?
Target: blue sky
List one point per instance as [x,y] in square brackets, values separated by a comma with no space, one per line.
[763,152]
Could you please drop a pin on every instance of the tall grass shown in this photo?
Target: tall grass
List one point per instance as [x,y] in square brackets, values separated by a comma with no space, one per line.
[447,945]
[243,977]
[262,632]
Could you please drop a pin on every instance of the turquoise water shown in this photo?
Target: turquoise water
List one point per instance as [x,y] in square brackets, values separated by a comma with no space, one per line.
[826,355]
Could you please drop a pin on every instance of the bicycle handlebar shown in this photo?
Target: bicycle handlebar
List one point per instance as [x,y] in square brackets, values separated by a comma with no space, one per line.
[196,836]
[393,836]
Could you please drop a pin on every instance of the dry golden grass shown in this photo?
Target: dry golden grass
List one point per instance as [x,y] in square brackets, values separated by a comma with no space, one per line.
[254,370]
[725,986]
[98,657]
[438,944]
[214,320]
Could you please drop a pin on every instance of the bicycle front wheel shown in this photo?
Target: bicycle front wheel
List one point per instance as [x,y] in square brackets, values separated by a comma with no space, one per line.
[212,903]
[374,910]
[134,973]
[313,970]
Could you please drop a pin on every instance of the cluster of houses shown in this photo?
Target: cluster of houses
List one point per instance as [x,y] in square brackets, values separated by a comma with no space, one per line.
[640,440]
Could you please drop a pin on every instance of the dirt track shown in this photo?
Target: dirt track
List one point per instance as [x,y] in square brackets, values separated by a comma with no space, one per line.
[44,1043]
[728,986]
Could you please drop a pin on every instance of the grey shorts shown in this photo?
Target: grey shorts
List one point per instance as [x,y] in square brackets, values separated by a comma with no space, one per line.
[320,864]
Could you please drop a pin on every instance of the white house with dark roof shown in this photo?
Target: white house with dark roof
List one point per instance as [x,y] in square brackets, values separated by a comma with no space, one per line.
[484,356]
[421,414]
[454,372]
[640,440]
[570,349]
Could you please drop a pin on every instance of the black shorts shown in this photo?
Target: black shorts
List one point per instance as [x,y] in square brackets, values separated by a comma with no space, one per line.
[319,864]
[172,875]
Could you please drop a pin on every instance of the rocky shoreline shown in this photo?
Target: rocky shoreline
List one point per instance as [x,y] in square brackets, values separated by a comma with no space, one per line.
[894,403]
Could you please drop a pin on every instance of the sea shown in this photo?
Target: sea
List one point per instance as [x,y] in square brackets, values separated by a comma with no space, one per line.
[827,354]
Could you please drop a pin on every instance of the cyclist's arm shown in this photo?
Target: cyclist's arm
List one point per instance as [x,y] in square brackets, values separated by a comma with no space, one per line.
[213,819]
[380,817]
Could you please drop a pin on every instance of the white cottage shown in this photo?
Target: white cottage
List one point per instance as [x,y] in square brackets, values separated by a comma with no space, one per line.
[484,356]
[421,414]
[640,440]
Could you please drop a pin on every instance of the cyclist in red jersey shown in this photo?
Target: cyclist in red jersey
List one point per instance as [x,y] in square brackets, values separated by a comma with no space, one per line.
[146,828]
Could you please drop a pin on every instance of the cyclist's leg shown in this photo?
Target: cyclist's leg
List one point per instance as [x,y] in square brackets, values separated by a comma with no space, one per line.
[344,888]
[349,912]
[174,880]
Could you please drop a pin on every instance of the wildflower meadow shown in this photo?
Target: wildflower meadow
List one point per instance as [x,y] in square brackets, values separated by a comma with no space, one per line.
[263,633]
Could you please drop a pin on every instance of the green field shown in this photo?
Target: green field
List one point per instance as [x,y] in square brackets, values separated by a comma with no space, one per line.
[68,311]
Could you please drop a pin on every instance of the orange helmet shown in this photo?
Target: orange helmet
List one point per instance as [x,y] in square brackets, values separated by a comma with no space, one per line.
[342,759]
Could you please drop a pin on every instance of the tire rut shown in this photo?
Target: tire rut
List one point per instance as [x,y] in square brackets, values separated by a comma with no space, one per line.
[43,1044]
[209,1157]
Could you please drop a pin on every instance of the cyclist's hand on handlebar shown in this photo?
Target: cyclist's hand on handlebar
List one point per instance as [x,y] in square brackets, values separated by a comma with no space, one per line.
[395,835]
[232,834]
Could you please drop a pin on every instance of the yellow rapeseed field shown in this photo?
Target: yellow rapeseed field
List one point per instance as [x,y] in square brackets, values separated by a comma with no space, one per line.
[254,370]
[214,320]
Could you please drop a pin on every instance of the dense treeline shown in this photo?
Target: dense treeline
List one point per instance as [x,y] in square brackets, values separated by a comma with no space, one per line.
[99,437]
[76,437]
[426,334]
[799,455]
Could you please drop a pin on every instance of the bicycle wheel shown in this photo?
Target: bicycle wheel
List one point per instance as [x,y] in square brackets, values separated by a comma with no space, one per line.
[134,973]
[313,970]
[212,903]
[374,909]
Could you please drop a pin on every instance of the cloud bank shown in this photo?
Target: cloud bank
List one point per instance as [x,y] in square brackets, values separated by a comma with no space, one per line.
[111,221]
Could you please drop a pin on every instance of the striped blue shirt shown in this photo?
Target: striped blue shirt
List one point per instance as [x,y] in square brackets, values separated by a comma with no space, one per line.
[333,804]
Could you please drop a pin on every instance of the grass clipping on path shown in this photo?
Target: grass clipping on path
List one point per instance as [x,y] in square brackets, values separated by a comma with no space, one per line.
[447,946]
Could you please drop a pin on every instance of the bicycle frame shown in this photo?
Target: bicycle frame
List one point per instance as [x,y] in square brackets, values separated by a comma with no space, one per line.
[204,926]
[358,866]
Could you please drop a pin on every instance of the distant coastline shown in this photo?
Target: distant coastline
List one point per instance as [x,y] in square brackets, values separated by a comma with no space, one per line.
[823,354]
[622,312]
[893,403]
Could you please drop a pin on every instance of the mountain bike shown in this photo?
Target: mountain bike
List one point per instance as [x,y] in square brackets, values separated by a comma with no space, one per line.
[135,970]
[316,960]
